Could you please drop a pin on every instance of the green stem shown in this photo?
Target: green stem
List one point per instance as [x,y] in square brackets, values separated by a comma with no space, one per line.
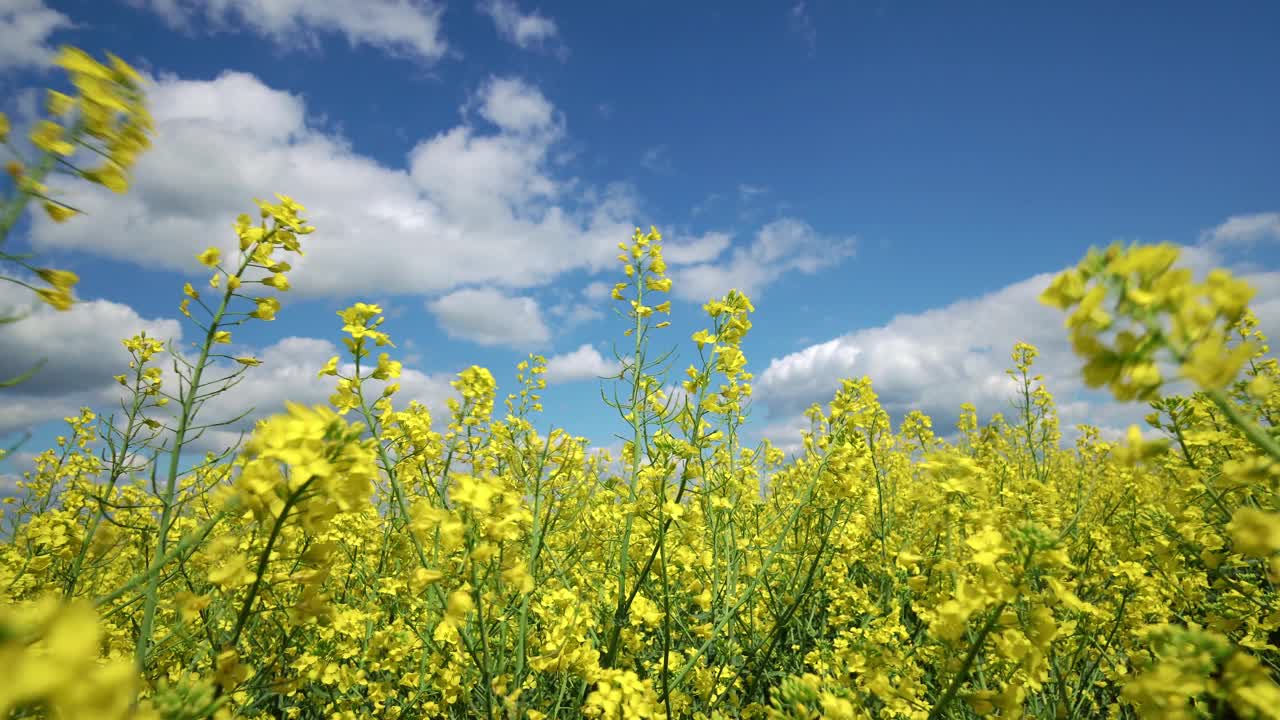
[171,484]
[187,543]
[972,655]
[1250,429]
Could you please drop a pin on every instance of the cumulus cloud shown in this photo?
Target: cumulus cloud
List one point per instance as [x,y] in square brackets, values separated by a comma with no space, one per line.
[569,314]
[585,363]
[473,207]
[514,105]
[932,361]
[782,246]
[936,360]
[25,27]
[84,351]
[528,31]
[597,290]
[692,251]
[81,348]
[9,484]
[1243,230]
[490,317]
[409,28]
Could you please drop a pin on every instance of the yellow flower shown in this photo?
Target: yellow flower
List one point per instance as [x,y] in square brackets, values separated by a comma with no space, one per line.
[60,104]
[1137,450]
[267,308]
[277,281]
[60,299]
[4,127]
[459,604]
[1065,291]
[58,212]
[210,257]
[422,577]
[123,70]
[387,369]
[62,279]
[1211,366]
[249,361]
[191,605]
[330,367]
[48,137]
[1255,532]
[79,62]
[659,284]
[222,336]
[109,176]
[1229,295]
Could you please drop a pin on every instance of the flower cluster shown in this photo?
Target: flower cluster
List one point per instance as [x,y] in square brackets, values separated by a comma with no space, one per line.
[50,654]
[646,272]
[308,458]
[1166,309]
[110,107]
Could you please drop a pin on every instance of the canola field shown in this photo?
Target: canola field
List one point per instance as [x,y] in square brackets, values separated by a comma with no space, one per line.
[350,561]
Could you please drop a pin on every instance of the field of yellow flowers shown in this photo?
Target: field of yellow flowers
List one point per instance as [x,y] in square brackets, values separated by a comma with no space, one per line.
[350,562]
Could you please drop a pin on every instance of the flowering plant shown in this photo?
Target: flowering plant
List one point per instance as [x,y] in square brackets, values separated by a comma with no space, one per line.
[352,560]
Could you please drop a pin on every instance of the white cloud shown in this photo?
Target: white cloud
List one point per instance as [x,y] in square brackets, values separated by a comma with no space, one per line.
[9,484]
[527,31]
[1243,230]
[25,27]
[585,363]
[82,350]
[931,361]
[24,411]
[780,247]
[489,317]
[24,111]
[514,105]
[473,207]
[597,290]
[409,28]
[572,314]
[695,250]
[784,434]
[935,360]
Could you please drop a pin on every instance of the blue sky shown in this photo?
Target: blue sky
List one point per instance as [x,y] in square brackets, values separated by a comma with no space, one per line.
[892,183]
